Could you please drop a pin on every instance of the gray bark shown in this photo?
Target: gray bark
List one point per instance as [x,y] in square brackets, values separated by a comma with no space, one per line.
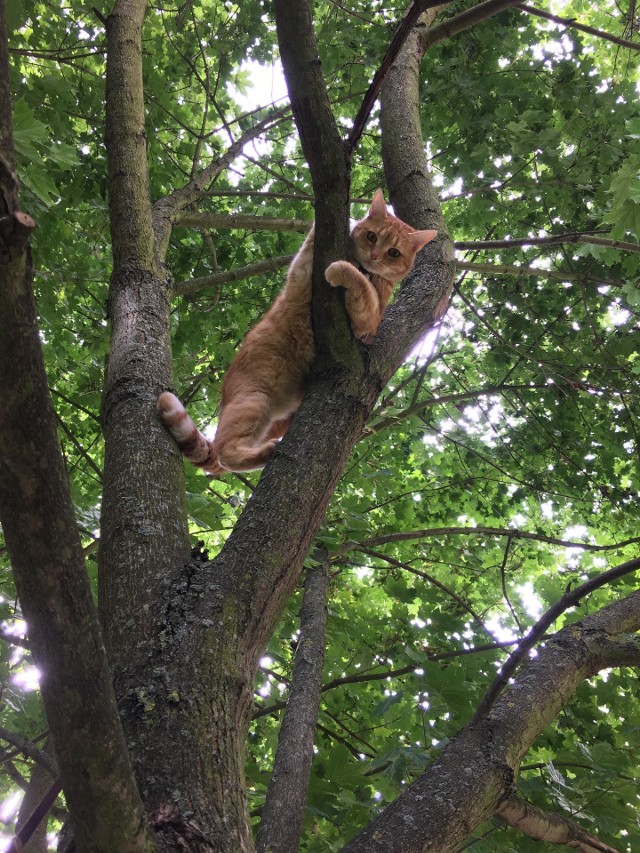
[284,808]
[48,565]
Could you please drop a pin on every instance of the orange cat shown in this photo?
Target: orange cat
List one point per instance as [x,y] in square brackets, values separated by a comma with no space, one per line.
[265,383]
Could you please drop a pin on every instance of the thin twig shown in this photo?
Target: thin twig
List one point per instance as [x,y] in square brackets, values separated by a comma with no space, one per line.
[510,532]
[399,37]
[569,599]
[573,24]
[27,748]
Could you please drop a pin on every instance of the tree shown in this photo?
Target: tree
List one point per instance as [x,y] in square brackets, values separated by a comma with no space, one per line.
[459,494]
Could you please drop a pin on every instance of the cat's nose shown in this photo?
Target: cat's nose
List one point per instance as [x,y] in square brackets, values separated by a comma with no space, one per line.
[374,256]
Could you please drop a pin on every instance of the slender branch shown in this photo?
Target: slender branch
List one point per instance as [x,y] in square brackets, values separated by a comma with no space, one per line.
[245,221]
[271,194]
[301,225]
[570,22]
[14,640]
[569,599]
[189,219]
[33,821]
[167,209]
[284,807]
[427,577]
[363,677]
[57,55]
[503,580]
[416,408]
[186,288]
[399,37]
[216,279]
[14,774]
[538,272]
[75,405]
[549,827]
[78,446]
[357,753]
[551,240]
[512,533]
[27,748]
[353,734]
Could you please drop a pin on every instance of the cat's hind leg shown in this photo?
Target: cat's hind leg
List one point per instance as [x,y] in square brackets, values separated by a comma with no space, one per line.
[243,440]
[279,427]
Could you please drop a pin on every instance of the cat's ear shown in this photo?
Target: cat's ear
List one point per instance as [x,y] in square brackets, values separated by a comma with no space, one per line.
[378,209]
[421,238]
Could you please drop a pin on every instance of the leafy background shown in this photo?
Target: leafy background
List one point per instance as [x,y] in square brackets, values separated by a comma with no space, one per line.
[519,413]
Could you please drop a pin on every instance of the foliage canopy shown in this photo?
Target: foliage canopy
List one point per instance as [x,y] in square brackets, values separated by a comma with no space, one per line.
[500,467]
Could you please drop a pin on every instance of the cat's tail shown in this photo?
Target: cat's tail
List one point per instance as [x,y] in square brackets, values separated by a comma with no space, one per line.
[194,445]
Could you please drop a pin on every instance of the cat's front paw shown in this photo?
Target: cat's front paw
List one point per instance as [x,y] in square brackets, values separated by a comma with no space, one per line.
[335,273]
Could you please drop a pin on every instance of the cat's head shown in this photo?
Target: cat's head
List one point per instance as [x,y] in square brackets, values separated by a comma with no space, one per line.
[385,245]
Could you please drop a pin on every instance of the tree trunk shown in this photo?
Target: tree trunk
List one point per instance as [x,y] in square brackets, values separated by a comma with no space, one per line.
[143,525]
[48,565]
[185,637]
[285,804]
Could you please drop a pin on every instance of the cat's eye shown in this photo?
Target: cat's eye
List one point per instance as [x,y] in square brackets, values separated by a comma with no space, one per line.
[372,237]
[394,253]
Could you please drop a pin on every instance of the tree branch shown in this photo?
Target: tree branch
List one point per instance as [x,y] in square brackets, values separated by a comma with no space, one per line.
[284,807]
[186,288]
[551,240]
[302,225]
[329,162]
[270,223]
[456,397]
[446,803]
[364,677]
[241,221]
[462,22]
[166,210]
[417,8]
[14,640]
[573,24]
[227,276]
[537,272]
[569,599]
[34,820]
[549,827]
[430,579]
[28,748]
[512,533]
